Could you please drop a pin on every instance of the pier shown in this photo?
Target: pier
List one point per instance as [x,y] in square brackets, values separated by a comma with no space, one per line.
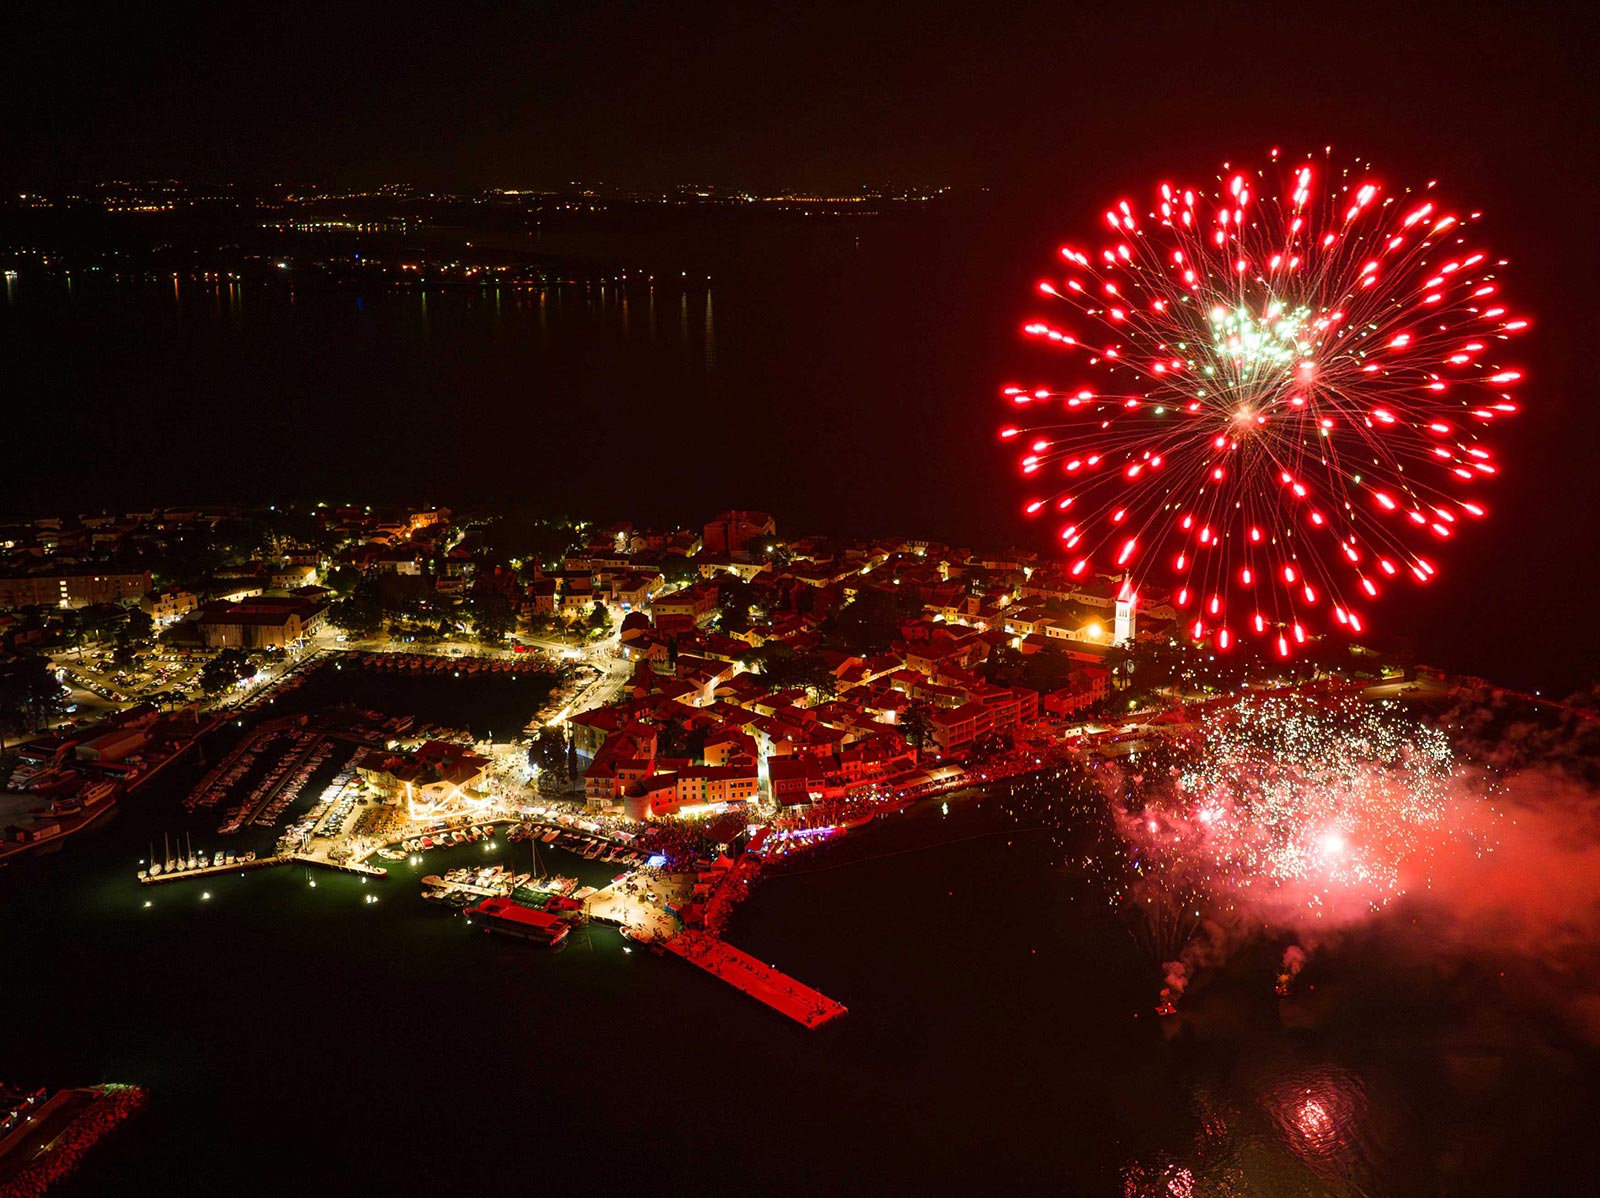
[213,871]
[350,866]
[779,991]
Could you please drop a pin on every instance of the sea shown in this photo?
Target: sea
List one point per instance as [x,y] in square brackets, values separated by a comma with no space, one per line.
[296,1036]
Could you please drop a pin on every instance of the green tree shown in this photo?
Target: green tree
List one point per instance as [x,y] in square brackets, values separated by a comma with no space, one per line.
[599,619]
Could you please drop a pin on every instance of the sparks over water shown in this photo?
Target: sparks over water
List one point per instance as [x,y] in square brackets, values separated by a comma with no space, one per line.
[1280,393]
[1319,804]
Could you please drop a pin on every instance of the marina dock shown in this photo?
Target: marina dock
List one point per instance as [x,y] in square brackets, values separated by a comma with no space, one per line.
[779,991]
[212,871]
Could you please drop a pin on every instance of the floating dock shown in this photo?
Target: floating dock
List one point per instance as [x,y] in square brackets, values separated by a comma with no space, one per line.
[778,990]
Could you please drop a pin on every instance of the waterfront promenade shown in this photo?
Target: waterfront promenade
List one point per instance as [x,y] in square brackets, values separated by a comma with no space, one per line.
[778,990]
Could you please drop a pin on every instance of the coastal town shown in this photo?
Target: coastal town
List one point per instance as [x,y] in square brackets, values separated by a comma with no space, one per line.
[711,700]
[798,684]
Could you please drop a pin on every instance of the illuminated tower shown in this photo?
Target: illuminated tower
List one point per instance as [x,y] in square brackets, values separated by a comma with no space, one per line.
[1127,600]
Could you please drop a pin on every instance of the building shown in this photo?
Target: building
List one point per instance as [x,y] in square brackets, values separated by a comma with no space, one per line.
[430,774]
[260,623]
[699,787]
[681,610]
[114,745]
[732,532]
[171,604]
[72,587]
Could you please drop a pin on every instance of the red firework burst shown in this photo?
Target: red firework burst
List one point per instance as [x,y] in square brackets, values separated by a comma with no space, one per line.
[1283,385]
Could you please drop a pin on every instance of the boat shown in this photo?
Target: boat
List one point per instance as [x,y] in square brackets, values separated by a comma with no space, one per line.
[512,919]
[250,856]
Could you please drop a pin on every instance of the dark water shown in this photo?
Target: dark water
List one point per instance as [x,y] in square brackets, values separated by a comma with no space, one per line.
[999,1037]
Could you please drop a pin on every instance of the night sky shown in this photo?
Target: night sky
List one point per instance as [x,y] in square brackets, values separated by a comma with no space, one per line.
[821,94]
[1056,108]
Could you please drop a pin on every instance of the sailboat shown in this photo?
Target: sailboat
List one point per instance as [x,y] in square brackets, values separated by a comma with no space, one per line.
[150,867]
[538,869]
[166,846]
[192,862]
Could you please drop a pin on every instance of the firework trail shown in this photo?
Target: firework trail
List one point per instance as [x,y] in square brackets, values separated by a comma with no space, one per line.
[1280,393]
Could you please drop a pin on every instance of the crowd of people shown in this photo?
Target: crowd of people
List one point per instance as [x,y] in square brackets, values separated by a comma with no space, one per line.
[112,1104]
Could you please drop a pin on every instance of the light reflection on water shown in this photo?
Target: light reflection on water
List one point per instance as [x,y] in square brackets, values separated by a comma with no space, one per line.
[1293,1131]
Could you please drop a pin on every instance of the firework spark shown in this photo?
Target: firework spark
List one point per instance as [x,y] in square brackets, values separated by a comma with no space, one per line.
[1296,802]
[1283,387]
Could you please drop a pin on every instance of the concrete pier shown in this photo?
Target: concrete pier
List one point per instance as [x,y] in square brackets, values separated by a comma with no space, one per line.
[214,871]
[211,871]
[779,991]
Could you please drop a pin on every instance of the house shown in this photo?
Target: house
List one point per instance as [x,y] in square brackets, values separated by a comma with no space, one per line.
[168,605]
[634,589]
[717,785]
[685,609]
[795,780]
[1085,687]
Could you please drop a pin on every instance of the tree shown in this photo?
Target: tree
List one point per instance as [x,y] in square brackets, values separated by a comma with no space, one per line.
[1003,665]
[812,674]
[140,627]
[124,655]
[11,724]
[30,696]
[916,721]
[224,670]
[342,580]
[361,613]
[872,620]
[988,746]
[492,616]
[599,619]
[548,752]
[675,738]
[773,661]
[734,597]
